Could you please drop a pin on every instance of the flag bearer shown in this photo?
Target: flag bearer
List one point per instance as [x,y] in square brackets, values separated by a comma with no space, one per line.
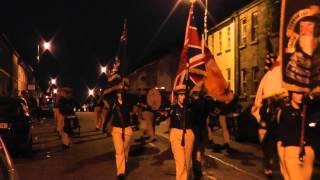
[293,168]
[121,132]
[181,134]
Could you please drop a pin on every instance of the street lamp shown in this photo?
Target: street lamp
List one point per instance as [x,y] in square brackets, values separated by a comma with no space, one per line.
[91,93]
[53,81]
[55,91]
[46,46]
[103,69]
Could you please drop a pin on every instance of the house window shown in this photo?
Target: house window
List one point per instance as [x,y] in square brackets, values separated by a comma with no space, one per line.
[228,37]
[243,76]
[255,71]
[212,42]
[220,41]
[254,27]
[228,74]
[243,32]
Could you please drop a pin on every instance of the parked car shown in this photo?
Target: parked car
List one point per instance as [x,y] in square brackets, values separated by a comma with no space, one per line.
[15,124]
[8,171]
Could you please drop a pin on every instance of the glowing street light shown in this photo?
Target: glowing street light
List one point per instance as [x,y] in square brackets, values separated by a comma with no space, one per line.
[46,45]
[103,69]
[91,93]
[53,81]
[55,91]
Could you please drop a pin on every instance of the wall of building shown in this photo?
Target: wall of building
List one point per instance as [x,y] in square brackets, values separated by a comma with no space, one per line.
[221,42]
[250,27]
[5,68]
[22,79]
[14,74]
[255,23]
[159,73]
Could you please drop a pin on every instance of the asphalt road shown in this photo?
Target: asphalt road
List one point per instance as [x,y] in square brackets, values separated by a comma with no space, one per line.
[92,157]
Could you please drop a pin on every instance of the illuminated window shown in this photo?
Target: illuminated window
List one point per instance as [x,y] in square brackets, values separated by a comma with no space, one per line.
[228,74]
[243,32]
[254,27]
[220,41]
[228,37]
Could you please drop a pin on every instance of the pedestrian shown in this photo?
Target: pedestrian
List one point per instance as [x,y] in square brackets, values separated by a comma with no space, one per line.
[121,131]
[222,118]
[97,106]
[181,134]
[291,166]
[67,104]
[268,126]
[230,109]
[200,112]
[106,114]
[58,117]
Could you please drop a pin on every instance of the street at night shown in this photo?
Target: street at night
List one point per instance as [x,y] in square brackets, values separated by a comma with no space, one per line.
[160,90]
[92,157]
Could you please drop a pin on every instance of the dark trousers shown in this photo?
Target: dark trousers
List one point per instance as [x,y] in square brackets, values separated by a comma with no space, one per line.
[269,148]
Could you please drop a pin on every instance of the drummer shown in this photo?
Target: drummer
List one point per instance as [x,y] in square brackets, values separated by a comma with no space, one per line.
[148,116]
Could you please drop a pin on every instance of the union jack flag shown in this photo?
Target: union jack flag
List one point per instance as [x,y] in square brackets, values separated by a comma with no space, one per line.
[122,53]
[191,68]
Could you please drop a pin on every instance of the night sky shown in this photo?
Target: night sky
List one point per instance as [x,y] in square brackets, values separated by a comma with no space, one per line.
[85,34]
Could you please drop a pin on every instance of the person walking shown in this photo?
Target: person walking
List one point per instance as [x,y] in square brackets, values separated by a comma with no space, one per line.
[181,134]
[291,165]
[66,106]
[98,105]
[121,132]
[268,127]
[200,112]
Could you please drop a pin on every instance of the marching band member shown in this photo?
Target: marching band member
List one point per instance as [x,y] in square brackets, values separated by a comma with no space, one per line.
[292,168]
[200,111]
[181,135]
[121,132]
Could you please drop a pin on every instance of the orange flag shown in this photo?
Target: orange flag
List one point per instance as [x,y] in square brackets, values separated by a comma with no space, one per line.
[214,82]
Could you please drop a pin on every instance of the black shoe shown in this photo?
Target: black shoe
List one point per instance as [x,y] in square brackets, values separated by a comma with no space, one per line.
[210,144]
[229,149]
[66,146]
[197,172]
[226,146]
[121,177]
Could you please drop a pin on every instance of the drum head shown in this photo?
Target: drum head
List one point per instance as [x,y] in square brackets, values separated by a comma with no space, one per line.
[154,99]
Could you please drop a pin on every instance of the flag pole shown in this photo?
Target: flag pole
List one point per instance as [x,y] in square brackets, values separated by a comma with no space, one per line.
[302,132]
[206,22]
[185,103]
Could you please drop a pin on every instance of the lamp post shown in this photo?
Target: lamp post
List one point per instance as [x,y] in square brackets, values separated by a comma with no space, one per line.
[103,69]
[90,92]
[53,81]
[45,46]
